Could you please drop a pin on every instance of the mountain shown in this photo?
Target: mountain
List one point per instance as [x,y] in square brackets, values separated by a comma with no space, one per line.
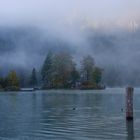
[117,51]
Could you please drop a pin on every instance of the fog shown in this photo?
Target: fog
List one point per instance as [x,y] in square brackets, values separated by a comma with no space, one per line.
[107,30]
[44,11]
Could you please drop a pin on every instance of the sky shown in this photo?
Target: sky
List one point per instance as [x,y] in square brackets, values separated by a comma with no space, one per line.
[60,12]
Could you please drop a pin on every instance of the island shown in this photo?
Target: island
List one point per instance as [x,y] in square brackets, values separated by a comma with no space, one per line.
[58,71]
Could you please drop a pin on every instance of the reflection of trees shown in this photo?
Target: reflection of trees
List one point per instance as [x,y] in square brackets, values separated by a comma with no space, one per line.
[13,101]
[58,114]
[89,103]
[8,115]
[58,105]
[19,114]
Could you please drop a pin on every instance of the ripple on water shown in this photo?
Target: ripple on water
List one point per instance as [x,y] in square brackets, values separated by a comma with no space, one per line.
[41,116]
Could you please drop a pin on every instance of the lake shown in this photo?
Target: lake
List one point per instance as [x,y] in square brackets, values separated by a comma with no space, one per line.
[68,115]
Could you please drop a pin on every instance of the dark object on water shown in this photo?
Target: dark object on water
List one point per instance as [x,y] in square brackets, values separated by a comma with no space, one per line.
[74,108]
[122,109]
[129,103]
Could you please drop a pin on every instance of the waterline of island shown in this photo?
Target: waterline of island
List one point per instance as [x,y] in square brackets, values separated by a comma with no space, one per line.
[59,71]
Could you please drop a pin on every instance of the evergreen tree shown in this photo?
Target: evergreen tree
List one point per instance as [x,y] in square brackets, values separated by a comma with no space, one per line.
[46,71]
[33,78]
[1,82]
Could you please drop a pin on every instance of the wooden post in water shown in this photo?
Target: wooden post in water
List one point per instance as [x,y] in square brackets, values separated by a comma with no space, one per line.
[129,103]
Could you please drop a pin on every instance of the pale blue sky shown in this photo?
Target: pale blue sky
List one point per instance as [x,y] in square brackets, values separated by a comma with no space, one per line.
[43,11]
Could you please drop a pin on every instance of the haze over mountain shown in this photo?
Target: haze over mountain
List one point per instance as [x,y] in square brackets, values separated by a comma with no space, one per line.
[108,30]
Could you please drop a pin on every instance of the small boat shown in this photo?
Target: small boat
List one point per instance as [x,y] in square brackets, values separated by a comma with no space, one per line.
[27,89]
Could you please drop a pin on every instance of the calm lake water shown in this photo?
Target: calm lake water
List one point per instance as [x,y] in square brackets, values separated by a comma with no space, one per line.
[68,115]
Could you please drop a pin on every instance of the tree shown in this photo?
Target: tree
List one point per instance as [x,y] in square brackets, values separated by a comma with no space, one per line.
[33,78]
[12,81]
[91,75]
[87,68]
[62,69]
[75,76]
[46,71]
[97,75]
[1,82]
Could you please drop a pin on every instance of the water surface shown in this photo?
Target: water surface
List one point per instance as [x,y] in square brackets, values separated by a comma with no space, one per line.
[68,115]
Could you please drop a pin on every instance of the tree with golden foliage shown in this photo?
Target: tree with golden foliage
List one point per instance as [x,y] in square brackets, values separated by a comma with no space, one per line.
[12,81]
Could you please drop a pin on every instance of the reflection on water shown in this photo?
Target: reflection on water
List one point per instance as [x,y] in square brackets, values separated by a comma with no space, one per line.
[130,129]
[50,115]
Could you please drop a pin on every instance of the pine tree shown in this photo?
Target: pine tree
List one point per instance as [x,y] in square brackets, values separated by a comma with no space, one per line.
[33,78]
[1,82]
[46,71]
